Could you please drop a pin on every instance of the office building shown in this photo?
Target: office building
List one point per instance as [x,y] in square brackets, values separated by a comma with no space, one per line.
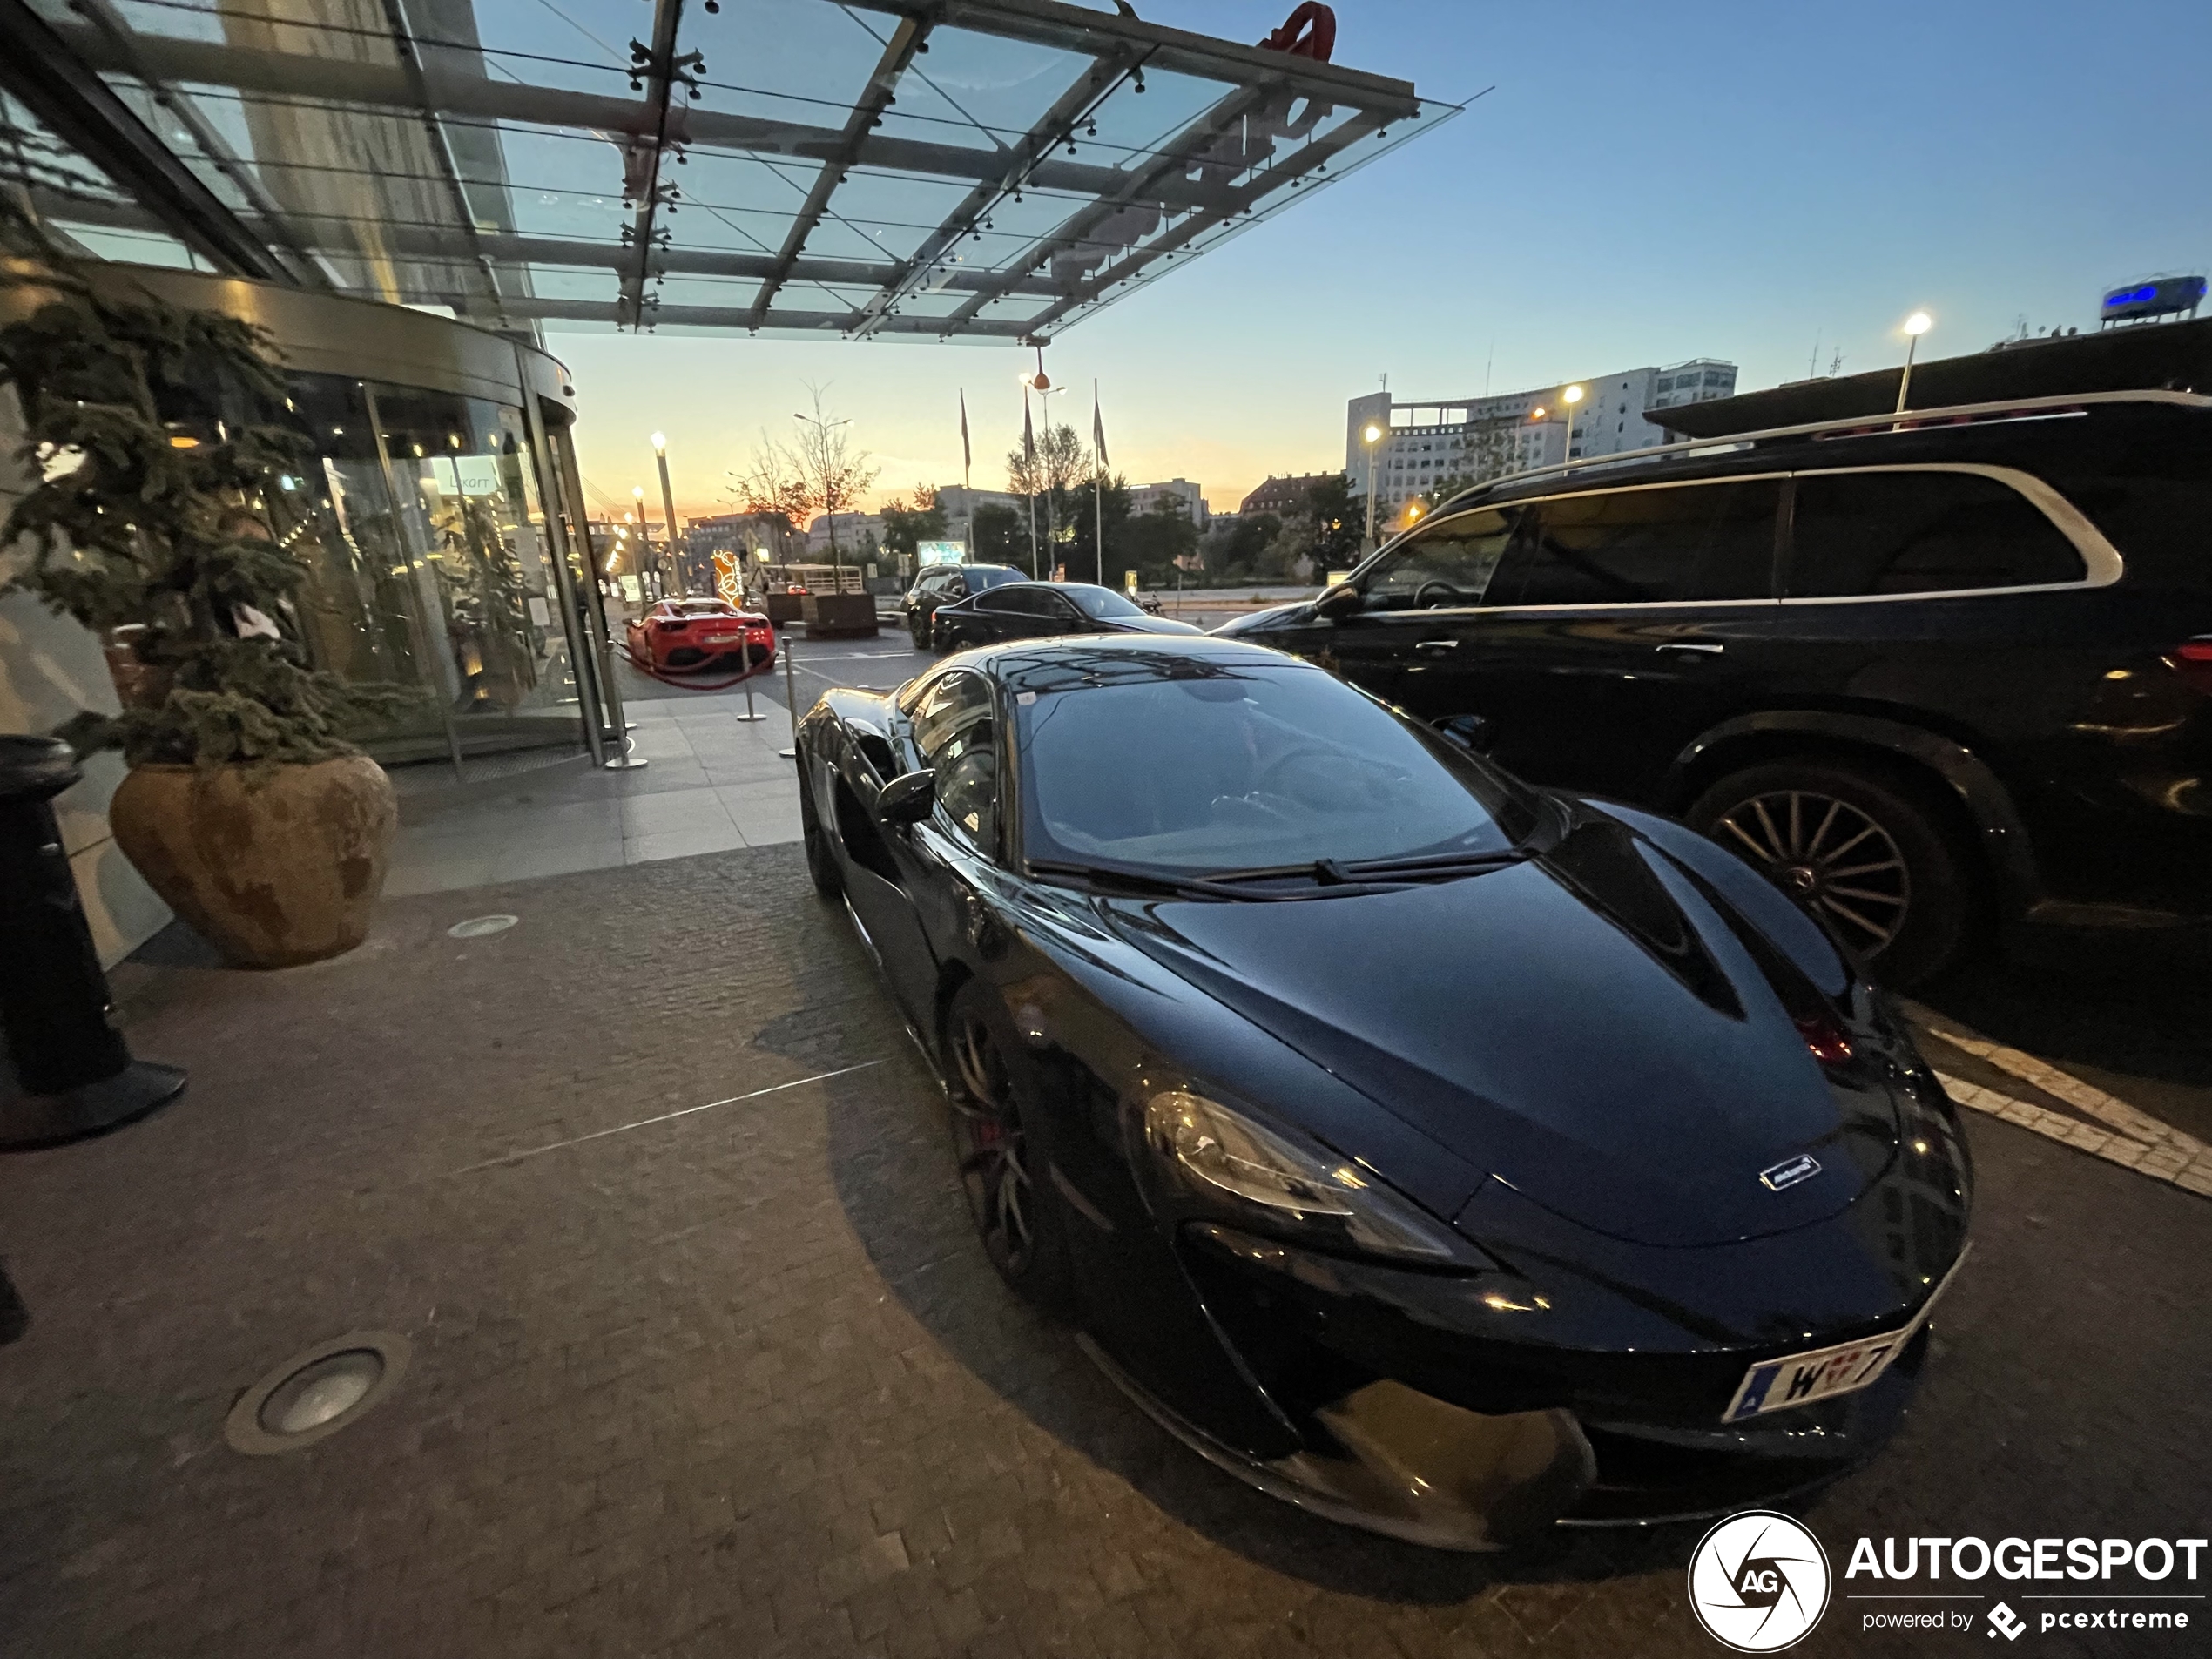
[1433,441]
[1145,498]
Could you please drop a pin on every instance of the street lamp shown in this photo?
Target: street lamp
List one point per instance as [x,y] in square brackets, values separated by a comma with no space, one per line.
[667,510]
[1372,437]
[1573,395]
[1915,325]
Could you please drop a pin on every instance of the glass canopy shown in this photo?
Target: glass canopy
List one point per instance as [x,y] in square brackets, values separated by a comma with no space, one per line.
[975,168]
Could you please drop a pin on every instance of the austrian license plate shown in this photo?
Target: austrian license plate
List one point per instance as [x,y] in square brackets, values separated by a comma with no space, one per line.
[1822,1373]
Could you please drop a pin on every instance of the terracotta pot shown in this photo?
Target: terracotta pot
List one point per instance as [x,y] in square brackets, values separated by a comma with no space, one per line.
[273,867]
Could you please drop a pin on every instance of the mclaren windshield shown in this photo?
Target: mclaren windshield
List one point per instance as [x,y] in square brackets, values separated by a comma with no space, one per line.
[1188,767]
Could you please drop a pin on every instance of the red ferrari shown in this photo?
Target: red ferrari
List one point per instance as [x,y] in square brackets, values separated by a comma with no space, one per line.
[696,633]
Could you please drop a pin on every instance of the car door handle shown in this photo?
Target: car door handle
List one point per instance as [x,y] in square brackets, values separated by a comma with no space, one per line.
[1683,644]
[1438,644]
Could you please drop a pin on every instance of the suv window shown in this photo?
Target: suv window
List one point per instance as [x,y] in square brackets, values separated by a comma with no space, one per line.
[1920,532]
[981,576]
[1448,563]
[1669,544]
[955,729]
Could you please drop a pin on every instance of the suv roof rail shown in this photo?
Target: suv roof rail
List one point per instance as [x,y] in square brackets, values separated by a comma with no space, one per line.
[2011,408]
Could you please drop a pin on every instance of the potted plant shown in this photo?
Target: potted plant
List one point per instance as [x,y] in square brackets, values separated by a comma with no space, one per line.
[245,808]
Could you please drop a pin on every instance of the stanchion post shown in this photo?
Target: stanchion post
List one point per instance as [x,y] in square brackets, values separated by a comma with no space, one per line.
[791,702]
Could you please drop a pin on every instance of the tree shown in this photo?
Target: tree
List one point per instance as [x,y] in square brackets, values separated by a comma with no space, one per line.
[816,471]
[1150,544]
[998,535]
[1339,523]
[129,524]
[1232,553]
[909,521]
[1050,482]
[1085,509]
[1493,451]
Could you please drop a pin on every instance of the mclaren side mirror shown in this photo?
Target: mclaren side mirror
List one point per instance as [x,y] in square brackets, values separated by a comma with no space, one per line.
[908,798]
[1471,732]
[1339,600]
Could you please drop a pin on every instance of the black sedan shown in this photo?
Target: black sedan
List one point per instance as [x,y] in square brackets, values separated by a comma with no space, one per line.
[1045,610]
[948,584]
[1444,1156]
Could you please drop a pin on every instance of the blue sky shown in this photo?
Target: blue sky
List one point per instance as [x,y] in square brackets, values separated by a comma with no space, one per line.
[1646,183]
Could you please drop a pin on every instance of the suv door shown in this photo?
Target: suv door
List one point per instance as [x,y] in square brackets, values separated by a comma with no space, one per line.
[1402,643]
[1622,625]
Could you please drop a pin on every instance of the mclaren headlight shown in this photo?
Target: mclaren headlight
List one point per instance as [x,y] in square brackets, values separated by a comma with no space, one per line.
[1223,1164]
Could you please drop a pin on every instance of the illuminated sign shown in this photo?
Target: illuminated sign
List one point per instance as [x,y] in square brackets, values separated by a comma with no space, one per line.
[940,552]
[2161,297]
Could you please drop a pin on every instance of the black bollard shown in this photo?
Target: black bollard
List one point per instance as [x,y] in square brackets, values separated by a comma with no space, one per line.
[78,1075]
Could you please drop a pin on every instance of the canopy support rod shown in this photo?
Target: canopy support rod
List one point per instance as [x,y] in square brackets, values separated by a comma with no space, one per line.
[641,161]
[1054,128]
[411,61]
[880,94]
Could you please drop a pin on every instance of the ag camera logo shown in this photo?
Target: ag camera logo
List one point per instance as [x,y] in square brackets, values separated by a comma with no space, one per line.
[1758,1582]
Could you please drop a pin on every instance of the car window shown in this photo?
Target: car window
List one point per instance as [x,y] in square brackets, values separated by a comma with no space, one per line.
[1447,564]
[1024,602]
[1668,545]
[991,575]
[957,735]
[1096,603]
[1920,532]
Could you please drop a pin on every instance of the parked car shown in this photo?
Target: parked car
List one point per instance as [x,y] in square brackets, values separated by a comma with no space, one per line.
[1041,610]
[943,584]
[1924,674]
[701,633]
[1448,1156]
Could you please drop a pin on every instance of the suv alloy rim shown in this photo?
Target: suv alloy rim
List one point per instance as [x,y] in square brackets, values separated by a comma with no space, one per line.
[1827,853]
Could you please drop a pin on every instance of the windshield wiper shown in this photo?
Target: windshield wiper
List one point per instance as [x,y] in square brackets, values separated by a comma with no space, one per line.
[1131,879]
[1442,867]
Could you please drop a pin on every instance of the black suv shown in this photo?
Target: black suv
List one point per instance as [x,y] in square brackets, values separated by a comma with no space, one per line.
[948,584]
[1925,675]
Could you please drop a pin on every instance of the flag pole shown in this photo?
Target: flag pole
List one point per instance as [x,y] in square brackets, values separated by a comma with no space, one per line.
[966,483]
[1030,456]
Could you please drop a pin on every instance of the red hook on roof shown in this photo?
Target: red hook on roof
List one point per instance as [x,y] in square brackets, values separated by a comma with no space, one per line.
[1311,32]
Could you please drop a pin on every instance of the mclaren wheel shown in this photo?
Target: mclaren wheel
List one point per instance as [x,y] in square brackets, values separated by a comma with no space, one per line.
[821,859]
[1871,852]
[1010,1198]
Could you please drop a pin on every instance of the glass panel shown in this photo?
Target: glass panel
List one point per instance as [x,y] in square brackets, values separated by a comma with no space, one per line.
[1921,532]
[469,503]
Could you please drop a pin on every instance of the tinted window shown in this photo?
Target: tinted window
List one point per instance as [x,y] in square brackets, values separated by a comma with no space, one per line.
[1920,532]
[981,576]
[1659,546]
[957,736]
[1448,563]
[1027,602]
[1194,768]
[1094,601]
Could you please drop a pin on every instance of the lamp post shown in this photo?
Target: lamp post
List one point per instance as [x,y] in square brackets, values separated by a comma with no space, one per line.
[1572,395]
[1915,325]
[1372,438]
[668,511]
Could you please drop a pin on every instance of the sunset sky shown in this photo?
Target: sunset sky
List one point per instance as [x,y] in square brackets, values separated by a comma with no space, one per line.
[1645,184]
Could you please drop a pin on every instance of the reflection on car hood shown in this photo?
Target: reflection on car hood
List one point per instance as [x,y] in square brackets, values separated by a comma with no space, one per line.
[1588,1027]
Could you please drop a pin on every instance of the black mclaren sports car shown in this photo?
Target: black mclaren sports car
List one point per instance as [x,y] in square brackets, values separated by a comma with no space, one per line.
[1445,1156]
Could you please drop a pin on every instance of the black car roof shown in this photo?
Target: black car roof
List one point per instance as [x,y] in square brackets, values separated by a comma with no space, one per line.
[1876,442]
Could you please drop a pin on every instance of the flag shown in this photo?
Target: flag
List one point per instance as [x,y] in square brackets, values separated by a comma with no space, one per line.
[966,455]
[1029,432]
[1098,428]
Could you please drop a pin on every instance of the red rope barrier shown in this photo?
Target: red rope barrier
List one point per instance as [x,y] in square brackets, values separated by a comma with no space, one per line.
[668,677]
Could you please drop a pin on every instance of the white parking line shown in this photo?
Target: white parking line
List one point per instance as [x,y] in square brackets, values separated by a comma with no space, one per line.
[2161,1162]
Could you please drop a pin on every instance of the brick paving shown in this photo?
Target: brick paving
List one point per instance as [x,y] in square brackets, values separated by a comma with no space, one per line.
[739,1382]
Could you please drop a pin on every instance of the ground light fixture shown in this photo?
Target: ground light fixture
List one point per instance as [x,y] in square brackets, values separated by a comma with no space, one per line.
[317,1392]
[1915,325]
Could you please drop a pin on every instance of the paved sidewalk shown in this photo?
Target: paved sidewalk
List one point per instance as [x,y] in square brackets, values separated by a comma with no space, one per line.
[739,1382]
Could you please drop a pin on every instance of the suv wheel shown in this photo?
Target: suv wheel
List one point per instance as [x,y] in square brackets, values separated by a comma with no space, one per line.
[1868,850]
[919,628]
